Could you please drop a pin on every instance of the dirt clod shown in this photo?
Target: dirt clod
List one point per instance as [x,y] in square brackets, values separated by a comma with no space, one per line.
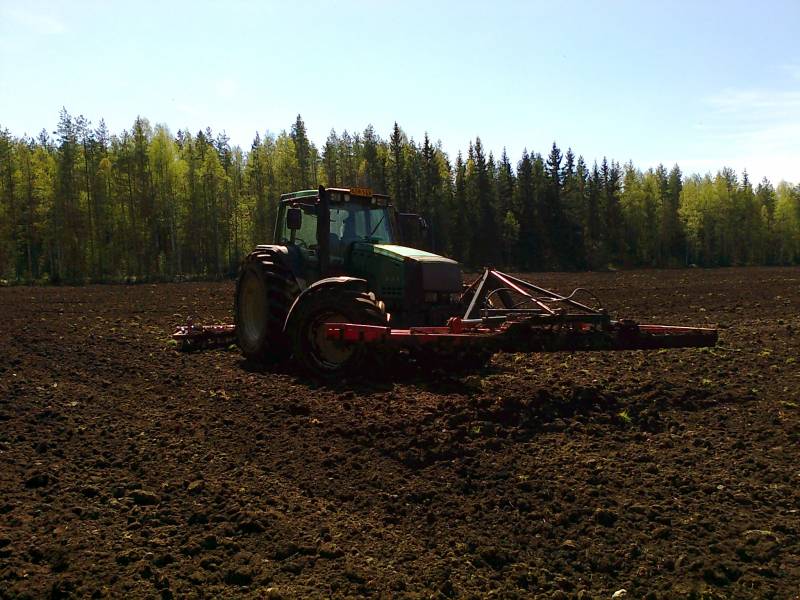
[145,497]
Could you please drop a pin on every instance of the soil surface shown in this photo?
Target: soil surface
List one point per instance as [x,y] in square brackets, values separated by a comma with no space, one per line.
[130,470]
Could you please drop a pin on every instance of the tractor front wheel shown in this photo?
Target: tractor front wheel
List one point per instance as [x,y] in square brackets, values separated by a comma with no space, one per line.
[311,348]
[264,292]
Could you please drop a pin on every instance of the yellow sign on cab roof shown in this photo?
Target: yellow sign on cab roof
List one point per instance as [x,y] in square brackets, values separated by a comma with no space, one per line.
[359,191]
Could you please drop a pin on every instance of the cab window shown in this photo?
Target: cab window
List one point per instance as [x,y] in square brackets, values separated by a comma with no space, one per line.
[306,236]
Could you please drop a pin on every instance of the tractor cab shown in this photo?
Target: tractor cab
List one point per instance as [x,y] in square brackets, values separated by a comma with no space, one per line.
[352,232]
[354,215]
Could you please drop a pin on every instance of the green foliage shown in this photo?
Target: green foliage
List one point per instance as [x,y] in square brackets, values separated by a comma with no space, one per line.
[147,204]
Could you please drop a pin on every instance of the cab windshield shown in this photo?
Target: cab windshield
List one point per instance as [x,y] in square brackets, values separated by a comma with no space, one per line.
[355,222]
[350,222]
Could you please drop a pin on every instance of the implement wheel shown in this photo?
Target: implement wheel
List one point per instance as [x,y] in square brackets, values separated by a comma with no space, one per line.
[264,292]
[311,348]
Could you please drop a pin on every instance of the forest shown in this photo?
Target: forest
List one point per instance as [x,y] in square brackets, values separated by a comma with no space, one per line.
[88,205]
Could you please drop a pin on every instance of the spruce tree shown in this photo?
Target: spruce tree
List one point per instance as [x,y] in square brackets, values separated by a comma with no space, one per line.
[302,148]
[397,168]
[459,238]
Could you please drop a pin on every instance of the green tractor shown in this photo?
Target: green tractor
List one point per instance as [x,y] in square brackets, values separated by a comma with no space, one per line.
[340,255]
[343,281]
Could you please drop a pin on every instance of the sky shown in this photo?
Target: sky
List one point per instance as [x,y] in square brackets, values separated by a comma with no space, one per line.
[704,84]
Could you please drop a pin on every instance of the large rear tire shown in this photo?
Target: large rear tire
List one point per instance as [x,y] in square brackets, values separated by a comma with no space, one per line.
[311,349]
[265,291]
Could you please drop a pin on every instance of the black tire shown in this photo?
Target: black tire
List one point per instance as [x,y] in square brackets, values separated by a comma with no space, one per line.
[265,291]
[327,358]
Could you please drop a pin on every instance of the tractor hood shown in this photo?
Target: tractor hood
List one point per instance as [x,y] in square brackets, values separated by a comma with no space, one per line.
[398,266]
[439,274]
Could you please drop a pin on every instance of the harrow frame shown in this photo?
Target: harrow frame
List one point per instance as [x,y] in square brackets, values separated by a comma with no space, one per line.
[510,314]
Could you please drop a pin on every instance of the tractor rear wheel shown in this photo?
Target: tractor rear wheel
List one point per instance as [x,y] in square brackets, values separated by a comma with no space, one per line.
[265,291]
[312,350]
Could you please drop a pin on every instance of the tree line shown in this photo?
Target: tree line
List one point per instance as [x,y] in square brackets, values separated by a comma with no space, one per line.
[88,205]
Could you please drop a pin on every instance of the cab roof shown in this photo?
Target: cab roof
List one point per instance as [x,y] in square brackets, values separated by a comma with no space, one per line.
[351,194]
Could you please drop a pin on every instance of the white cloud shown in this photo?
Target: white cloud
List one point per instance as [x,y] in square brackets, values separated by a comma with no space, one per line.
[793,70]
[757,129]
[44,24]
[756,104]
[775,167]
[226,88]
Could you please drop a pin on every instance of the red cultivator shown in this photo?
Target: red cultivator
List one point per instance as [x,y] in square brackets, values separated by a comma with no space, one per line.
[505,313]
[501,313]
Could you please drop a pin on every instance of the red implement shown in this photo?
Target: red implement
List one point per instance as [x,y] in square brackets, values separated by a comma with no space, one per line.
[528,336]
[200,337]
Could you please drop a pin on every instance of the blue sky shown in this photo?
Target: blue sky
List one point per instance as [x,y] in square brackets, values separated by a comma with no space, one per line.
[703,84]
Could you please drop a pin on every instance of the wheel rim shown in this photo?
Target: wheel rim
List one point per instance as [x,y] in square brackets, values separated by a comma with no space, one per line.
[252,311]
[329,354]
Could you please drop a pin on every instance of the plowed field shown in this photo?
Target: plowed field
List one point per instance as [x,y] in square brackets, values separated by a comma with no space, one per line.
[130,470]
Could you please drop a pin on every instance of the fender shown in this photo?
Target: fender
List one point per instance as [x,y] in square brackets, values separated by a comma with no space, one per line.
[355,284]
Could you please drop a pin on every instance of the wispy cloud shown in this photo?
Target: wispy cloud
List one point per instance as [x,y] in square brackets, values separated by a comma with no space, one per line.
[37,22]
[227,88]
[757,128]
[792,70]
[193,111]
[756,104]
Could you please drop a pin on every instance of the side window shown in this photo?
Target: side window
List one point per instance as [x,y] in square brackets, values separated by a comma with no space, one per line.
[338,217]
[307,234]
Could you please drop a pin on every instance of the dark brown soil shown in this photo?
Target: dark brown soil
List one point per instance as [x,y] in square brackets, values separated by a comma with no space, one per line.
[130,470]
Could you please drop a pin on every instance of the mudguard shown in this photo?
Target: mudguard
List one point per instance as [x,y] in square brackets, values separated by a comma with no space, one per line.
[355,284]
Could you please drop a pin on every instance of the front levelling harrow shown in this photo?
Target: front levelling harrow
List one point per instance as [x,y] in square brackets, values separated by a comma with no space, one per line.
[192,336]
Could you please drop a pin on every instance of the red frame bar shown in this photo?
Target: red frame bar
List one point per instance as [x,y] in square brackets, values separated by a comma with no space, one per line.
[357,333]
[623,336]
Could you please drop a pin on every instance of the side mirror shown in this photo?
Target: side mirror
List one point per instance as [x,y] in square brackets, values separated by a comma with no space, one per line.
[414,230]
[294,218]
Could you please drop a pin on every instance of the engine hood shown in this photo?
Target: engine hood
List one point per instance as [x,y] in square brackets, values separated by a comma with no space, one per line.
[404,252]
[431,272]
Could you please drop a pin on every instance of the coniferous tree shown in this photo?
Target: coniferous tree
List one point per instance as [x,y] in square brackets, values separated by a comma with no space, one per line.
[396,168]
[330,162]
[612,215]
[573,201]
[525,195]
[96,205]
[256,178]
[302,147]
[8,210]
[459,237]
[374,165]
[506,213]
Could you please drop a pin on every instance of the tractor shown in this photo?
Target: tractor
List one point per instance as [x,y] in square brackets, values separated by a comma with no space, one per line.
[337,258]
[343,282]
